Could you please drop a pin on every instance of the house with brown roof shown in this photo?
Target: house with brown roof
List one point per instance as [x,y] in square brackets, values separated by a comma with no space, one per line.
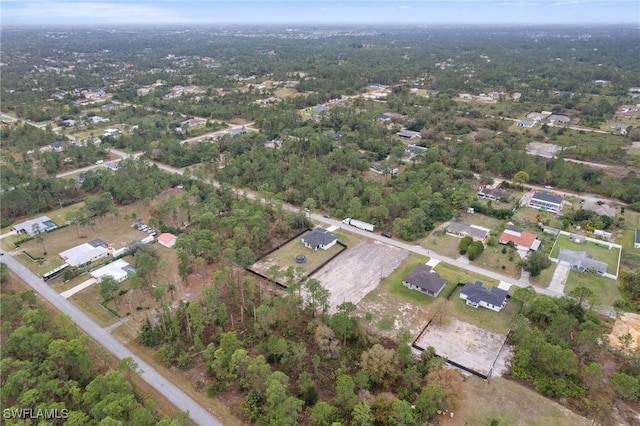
[425,280]
[522,239]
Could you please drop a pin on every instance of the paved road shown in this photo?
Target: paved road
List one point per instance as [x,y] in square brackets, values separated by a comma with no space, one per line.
[181,400]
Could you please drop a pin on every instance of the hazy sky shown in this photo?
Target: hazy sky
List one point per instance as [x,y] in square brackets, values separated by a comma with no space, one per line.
[109,12]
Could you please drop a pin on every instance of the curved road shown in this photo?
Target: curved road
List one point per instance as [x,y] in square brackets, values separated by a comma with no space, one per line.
[181,400]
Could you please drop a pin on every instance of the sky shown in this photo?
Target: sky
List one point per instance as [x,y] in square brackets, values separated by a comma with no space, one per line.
[150,12]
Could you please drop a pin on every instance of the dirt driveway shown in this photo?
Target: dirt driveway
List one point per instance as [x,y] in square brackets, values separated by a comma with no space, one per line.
[357,271]
[467,345]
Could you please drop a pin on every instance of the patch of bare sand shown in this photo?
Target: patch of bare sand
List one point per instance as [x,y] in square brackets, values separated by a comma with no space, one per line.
[467,345]
[627,323]
[357,271]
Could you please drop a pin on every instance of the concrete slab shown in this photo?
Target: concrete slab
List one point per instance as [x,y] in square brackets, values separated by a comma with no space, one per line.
[504,285]
[332,228]
[88,283]
[433,262]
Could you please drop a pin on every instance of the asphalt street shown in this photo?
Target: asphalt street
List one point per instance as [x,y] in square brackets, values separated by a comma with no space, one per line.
[181,400]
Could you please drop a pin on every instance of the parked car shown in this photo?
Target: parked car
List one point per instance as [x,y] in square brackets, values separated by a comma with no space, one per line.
[326,216]
[386,234]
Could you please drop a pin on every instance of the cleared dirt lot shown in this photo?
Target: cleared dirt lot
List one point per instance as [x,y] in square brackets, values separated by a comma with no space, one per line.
[467,345]
[357,271]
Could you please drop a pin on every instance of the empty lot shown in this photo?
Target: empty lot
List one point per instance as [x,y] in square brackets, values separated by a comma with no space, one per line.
[357,271]
[466,344]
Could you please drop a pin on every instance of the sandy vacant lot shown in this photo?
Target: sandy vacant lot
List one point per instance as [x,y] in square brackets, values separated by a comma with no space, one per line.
[627,323]
[467,345]
[357,271]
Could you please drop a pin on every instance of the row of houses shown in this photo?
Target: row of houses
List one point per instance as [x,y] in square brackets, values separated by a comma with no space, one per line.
[425,280]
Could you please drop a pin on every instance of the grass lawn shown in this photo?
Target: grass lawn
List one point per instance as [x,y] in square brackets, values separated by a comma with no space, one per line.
[455,275]
[533,216]
[115,231]
[89,301]
[498,322]
[285,257]
[598,251]
[493,259]
[392,285]
[606,289]
[348,238]
[443,244]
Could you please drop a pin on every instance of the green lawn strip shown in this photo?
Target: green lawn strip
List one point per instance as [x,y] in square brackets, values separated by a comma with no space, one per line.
[348,238]
[456,275]
[598,251]
[606,289]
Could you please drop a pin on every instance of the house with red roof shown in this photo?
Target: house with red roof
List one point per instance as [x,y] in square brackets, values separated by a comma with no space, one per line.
[522,239]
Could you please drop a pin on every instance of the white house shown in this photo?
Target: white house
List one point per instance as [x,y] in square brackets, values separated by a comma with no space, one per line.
[476,294]
[547,202]
[84,254]
[636,242]
[319,238]
[119,270]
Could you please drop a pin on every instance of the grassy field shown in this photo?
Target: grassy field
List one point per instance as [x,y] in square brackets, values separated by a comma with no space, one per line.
[443,244]
[503,400]
[598,251]
[88,300]
[285,257]
[115,231]
[455,275]
[494,260]
[606,289]
[532,216]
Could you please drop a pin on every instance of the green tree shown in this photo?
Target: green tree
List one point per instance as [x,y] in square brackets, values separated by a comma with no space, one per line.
[381,364]
[39,235]
[535,263]
[464,244]
[521,177]
[109,289]
[323,414]
[402,414]
[346,397]
[475,249]
[431,399]
[362,415]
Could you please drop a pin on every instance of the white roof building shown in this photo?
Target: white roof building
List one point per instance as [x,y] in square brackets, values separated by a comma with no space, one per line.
[44,223]
[119,270]
[83,254]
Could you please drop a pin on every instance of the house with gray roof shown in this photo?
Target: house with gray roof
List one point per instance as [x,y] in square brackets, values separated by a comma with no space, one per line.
[34,226]
[425,280]
[476,294]
[319,238]
[319,109]
[636,242]
[582,261]
[461,230]
[545,201]
[408,134]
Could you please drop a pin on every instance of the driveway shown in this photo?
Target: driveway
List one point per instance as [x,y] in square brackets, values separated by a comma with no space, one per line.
[560,277]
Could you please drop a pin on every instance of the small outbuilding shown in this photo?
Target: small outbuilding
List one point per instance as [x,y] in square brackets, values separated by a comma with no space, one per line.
[167,239]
